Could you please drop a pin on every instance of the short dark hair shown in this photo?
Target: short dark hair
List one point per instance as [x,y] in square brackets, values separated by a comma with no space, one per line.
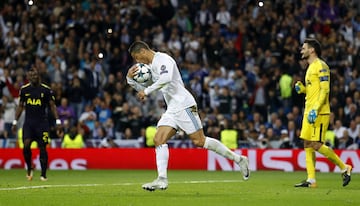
[33,68]
[314,44]
[137,46]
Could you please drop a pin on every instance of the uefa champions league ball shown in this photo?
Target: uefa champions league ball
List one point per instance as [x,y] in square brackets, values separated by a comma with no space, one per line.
[143,74]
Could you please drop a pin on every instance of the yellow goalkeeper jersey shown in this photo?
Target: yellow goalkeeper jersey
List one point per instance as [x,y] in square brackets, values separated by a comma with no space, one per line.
[317,84]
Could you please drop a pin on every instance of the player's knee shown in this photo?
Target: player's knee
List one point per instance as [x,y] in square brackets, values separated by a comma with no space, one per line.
[199,142]
[27,144]
[317,145]
[310,144]
[158,141]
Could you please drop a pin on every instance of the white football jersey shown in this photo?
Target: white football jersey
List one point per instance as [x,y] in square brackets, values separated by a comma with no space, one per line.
[166,77]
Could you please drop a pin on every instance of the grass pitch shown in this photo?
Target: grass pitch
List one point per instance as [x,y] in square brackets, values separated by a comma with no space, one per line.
[123,187]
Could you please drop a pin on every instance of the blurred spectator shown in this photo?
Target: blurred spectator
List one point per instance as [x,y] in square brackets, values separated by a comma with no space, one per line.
[345,141]
[330,138]
[263,138]
[252,138]
[136,124]
[339,130]
[74,138]
[285,140]
[74,93]
[295,141]
[223,17]
[285,84]
[353,112]
[354,130]
[225,101]
[88,119]
[259,99]
[106,141]
[229,136]
[278,127]
[103,112]
[7,108]
[272,138]
[65,111]
[204,18]
[3,133]
[94,78]
[348,104]
[110,128]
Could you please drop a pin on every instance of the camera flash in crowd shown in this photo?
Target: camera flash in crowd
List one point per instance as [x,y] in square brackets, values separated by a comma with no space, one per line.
[30,3]
[101,55]
[261,3]
[110,31]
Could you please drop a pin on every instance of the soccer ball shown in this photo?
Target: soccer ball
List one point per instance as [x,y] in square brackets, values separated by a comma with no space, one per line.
[143,74]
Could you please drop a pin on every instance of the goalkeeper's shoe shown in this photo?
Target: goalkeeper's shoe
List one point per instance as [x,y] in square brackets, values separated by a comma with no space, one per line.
[42,178]
[346,175]
[305,183]
[244,167]
[160,183]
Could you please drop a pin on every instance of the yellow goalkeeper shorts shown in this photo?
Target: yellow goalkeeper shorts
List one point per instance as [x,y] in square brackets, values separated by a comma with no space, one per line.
[315,132]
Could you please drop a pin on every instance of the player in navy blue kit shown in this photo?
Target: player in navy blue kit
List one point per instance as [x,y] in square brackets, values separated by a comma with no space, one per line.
[37,99]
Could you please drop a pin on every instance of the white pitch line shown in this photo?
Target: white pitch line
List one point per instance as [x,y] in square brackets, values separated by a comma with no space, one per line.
[116,184]
[48,186]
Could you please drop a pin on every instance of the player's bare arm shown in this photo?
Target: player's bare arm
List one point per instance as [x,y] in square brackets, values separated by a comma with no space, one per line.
[19,110]
[53,110]
[56,116]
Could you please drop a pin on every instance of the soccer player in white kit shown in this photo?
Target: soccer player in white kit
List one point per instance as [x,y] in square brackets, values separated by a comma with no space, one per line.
[181,111]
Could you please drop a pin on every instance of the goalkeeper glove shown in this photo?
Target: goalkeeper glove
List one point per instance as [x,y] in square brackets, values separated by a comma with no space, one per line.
[312,116]
[299,87]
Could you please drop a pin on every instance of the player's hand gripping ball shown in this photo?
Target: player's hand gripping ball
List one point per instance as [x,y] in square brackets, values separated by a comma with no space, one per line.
[143,74]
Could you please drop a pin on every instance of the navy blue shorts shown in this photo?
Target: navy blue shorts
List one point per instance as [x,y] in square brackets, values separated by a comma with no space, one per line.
[36,131]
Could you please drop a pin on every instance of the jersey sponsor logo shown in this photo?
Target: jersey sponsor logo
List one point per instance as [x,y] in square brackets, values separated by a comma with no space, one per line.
[33,102]
[163,69]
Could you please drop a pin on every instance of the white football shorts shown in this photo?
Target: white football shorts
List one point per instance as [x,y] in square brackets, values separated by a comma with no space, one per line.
[187,120]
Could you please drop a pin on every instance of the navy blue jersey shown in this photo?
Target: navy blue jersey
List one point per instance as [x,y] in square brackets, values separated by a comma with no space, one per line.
[37,101]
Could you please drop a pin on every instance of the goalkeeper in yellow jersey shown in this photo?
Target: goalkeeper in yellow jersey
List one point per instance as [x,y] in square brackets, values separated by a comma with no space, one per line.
[317,113]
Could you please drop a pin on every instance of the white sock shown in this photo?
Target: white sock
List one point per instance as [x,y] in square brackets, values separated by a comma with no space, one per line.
[162,158]
[312,181]
[218,147]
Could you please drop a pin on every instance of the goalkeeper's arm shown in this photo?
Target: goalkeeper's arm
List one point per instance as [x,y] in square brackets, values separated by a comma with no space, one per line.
[323,94]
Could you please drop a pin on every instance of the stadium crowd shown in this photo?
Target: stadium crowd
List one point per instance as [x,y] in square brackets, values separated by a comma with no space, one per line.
[240,60]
